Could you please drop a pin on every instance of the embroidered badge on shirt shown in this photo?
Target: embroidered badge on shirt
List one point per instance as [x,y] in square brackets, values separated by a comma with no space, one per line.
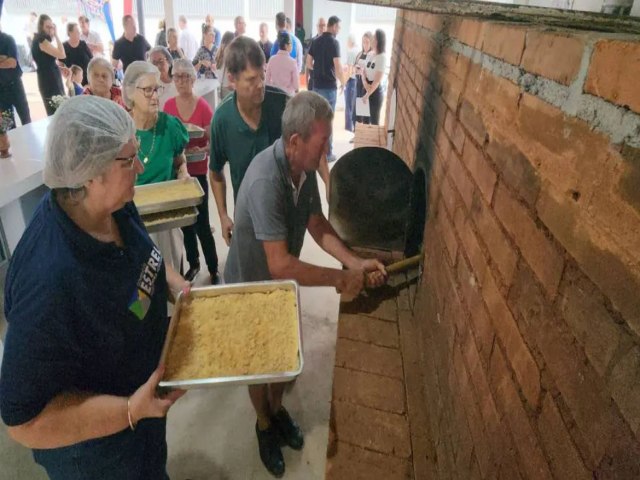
[141,299]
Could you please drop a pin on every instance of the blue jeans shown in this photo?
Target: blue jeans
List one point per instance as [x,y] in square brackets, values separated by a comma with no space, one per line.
[126,455]
[330,95]
[350,105]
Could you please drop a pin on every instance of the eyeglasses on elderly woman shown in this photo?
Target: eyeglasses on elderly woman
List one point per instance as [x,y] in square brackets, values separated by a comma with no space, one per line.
[149,91]
[128,162]
[183,77]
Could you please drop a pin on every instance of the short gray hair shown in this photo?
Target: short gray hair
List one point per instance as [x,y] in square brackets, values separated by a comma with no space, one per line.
[132,75]
[300,113]
[164,51]
[100,62]
[182,65]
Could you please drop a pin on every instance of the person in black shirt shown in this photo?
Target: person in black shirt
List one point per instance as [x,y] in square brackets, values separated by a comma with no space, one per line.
[77,51]
[321,26]
[324,59]
[12,92]
[45,56]
[130,46]
[264,42]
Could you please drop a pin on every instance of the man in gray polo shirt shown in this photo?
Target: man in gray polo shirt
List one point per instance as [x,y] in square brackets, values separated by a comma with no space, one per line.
[277,202]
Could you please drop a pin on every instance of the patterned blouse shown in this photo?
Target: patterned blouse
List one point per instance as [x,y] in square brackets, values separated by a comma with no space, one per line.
[204,53]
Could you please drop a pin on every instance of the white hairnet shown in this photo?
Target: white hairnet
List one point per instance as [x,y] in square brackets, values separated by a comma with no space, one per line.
[84,136]
[134,71]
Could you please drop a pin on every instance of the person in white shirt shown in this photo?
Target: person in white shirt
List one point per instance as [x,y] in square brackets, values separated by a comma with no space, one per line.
[374,72]
[187,42]
[91,38]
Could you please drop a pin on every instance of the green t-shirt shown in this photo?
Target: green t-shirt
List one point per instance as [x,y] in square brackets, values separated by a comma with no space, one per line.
[233,141]
[170,139]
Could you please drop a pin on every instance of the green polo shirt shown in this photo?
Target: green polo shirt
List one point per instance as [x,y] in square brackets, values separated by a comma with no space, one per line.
[233,141]
[159,146]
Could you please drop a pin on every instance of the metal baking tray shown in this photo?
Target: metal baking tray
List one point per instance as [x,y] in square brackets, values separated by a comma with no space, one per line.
[164,206]
[195,156]
[214,291]
[197,132]
[188,217]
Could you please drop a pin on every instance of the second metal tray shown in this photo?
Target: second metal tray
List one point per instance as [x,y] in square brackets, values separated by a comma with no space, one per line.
[195,156]
[254,287]
[183,218]
[163,206]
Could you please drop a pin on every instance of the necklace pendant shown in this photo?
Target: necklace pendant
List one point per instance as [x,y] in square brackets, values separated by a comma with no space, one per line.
[146,160]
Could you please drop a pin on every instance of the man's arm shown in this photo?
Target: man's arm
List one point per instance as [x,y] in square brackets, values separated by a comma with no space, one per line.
[283,265]
[309,61]
[115,55]
[219,189]
[325,236]
[299,53]
[339,72]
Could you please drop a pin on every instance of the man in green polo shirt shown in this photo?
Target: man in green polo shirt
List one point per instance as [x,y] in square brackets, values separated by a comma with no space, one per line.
[247,122]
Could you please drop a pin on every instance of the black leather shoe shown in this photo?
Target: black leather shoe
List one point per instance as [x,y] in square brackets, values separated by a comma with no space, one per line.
[191,273]
[215,279]
[270,453]
[289,430]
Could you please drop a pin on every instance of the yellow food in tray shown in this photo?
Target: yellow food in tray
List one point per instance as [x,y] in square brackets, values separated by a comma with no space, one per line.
[235,334]
[165,192]
[163,217]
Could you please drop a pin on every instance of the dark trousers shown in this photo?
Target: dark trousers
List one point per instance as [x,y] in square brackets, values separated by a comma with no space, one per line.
[375,105]
[350,105]
[375,100]
[202,230]
[13,96]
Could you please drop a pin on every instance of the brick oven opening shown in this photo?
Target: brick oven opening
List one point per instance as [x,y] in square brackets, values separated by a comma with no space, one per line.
[369,202]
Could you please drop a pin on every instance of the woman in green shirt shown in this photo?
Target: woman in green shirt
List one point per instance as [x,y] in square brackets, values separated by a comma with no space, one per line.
[161,139]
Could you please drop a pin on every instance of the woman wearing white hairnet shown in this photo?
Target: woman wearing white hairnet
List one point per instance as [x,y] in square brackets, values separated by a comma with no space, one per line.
[86,303]
[162,139]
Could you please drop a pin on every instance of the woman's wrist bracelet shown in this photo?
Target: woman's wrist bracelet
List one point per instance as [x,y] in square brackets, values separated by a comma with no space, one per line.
[132,425]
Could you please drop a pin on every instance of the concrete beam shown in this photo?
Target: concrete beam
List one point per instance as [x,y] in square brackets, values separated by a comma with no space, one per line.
[516,13]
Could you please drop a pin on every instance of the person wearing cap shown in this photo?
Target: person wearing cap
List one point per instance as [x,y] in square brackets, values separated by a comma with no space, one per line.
[277,204]
[86,305]
[161,143]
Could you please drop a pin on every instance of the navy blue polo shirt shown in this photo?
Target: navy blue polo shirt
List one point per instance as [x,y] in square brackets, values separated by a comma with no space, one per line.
[8,48]
[83,314]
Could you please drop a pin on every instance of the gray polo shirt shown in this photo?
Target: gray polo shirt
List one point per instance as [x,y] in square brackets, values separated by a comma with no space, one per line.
[266,210]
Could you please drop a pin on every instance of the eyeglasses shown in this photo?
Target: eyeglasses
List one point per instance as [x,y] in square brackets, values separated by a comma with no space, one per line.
[183,77]
[128,162]
[149,91]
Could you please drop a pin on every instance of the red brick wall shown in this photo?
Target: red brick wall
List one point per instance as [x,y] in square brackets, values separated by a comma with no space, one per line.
[530,299]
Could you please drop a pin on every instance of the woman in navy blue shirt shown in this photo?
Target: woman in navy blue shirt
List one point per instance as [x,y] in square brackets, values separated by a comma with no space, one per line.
[86,303]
